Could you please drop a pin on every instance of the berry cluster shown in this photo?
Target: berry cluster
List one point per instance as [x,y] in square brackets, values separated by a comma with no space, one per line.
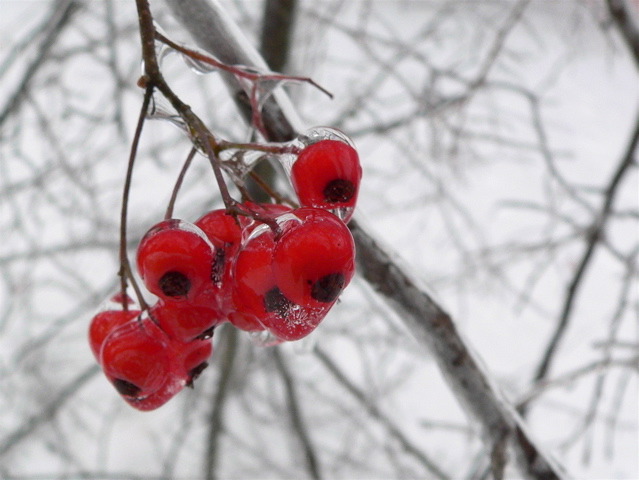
[272,268]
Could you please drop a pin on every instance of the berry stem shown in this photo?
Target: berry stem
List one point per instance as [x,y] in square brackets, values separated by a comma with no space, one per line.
[154,79]
[178,183]
[125,267]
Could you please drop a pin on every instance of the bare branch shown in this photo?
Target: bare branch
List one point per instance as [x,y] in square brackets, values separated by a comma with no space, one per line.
[595,233]
[626,20]
[61,14]
[299,427]
[14,438]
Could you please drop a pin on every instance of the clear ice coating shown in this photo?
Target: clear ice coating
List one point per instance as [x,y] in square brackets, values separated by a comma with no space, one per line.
[315,134]
[198,66]
[240,162]
[161,110]
[192,228]
[264,338]
[312,135]
[343,213]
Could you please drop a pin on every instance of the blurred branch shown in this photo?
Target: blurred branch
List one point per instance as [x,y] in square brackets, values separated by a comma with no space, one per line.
[48,412]
[209,24]
[226,362]
[299,427]
[593,237]
[277,29]
[374,412]
[58,19]
[215,32]
[626,20]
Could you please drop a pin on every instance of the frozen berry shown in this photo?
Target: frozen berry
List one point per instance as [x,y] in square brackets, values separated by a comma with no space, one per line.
[175,260]
[327,175]
[314,260]
[135,358]
[185,321]
[259,301]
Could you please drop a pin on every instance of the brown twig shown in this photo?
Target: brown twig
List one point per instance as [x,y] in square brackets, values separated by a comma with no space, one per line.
[125,267]
[178,183]
[295,414]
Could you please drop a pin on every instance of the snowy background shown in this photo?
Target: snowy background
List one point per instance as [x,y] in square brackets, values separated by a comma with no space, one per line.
[489,133]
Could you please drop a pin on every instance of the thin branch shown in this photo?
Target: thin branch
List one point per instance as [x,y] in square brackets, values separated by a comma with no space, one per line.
[622,15]
[48,412]
[595,233]
[125,267]
[178,183]
[226,363]
[295,414]
[60,17]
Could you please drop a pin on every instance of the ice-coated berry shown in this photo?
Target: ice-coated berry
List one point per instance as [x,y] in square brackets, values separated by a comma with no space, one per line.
[104,323]
[112,314]
[314,259]
[135,358]
[259,301]
[327,175]
[175,259]
[185,321]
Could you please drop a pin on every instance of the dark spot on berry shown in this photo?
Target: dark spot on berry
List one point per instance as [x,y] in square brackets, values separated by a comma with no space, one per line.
[195,372]
[217,269]
[175,284]
[275,301]
[328,288]
[126,388]
[339,190]
[206,334]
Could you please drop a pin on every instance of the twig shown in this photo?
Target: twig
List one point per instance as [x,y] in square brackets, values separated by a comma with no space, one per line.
[297,421]
[226,362]
[178,183]
[60,17]
[593,238]
[125,267]
[621,14]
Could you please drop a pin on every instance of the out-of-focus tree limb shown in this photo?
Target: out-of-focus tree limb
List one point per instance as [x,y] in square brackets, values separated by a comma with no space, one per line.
[627,22]
[59,18]
[595,234]
[14,438]
[214,31]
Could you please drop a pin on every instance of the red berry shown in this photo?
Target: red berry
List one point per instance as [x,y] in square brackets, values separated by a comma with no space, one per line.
[135,358]
[111,315]
[175,260]
[185,321]
[187,361]
[327,175]
[260,301]
[194,358]
[253,277]
[314,259]
[106,322]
